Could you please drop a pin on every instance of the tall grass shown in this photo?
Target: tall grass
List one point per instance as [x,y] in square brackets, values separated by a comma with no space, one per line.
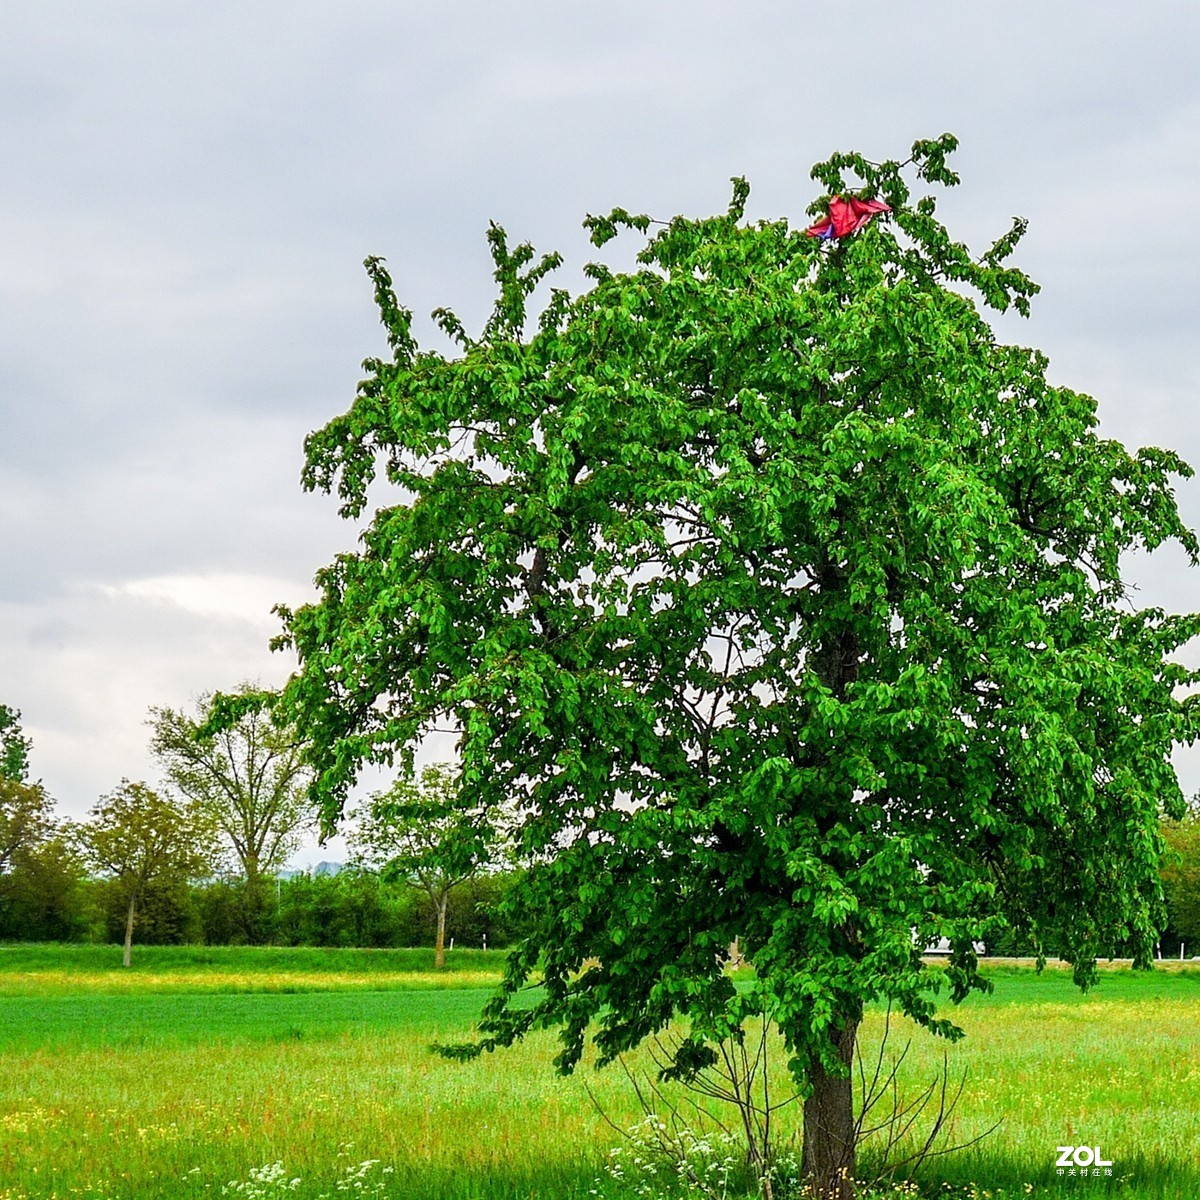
[198,1066]
[1118,1068]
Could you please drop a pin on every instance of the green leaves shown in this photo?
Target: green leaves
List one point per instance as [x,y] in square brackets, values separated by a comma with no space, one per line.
[930,156]
[14,746]
[396,319]
[604,229]
[422,830]
[783,601]
[26,820]
[516,284]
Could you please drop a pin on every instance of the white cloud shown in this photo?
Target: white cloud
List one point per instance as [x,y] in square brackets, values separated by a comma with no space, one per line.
[225,596]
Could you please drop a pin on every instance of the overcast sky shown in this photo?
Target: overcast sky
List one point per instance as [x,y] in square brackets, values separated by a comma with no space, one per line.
[187,192]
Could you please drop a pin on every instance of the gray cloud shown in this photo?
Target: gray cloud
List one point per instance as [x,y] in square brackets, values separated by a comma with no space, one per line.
[189,192]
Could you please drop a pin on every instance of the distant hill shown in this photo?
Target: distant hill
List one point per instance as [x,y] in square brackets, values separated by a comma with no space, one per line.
[322,868]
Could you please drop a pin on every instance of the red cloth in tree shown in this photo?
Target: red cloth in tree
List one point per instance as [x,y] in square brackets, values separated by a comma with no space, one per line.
[846,216]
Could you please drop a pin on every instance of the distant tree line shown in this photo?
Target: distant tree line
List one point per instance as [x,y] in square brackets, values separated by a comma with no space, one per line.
[201,861]
[48,899]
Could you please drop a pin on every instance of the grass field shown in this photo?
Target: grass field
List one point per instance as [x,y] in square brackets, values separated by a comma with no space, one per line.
[200,1066]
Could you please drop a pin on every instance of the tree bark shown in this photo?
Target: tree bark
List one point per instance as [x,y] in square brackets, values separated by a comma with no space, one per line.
[439,952]
[829,1136]
[129,928]
[828,1162]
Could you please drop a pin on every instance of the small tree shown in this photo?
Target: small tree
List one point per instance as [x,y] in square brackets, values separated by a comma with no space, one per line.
[420,831]
[138,837]
[250,781]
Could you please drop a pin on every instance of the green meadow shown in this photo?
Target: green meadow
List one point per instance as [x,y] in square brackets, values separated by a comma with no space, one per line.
[198,1070]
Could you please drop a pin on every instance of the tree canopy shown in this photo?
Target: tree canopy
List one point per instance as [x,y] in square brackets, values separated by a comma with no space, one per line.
[787,600]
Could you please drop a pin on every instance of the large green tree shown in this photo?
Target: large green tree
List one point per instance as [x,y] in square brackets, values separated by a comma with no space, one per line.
[787,599]
[250,780]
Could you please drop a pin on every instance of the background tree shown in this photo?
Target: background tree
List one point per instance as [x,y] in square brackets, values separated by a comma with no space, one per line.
[25,820]
[422,832]
[41,878]
[26,824]
[141,839]
[168,912]
[788,602]
[45,897]
[352,908]
[14,746]
[250,780]
[1181,877]
[25,811]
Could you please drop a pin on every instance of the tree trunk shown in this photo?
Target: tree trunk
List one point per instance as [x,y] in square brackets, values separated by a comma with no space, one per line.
[829,1141]
[439,951]
[828,1163]
[254,904]
[129,928]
